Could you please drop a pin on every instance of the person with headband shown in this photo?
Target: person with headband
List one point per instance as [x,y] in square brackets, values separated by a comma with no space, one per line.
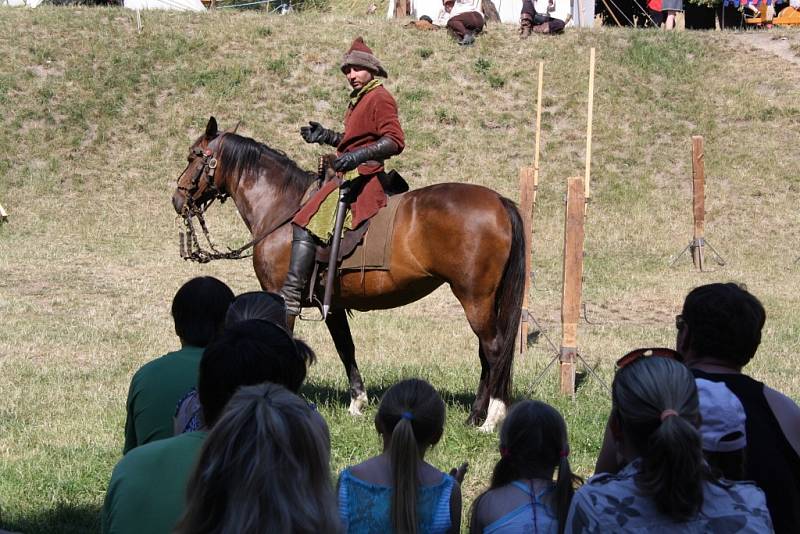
[397,491]
[666,485]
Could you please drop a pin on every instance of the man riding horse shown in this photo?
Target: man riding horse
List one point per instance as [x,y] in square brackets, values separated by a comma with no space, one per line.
[372,134]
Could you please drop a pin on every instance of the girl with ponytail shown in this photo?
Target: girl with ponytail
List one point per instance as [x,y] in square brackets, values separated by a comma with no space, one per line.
[398,491]
[522,496]
[666,484]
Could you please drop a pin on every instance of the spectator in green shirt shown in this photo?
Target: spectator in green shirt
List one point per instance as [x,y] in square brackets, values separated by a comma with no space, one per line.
[147,490]
[198,310]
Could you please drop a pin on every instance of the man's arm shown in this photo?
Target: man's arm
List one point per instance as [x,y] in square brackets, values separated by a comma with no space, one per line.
[788,415]
[387,122]
[130,419]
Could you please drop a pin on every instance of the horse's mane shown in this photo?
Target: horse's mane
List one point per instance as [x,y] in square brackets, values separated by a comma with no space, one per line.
[247,154]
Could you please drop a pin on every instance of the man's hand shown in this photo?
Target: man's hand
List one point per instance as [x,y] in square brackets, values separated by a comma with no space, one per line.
[346,162]
[314,133]
[459,472]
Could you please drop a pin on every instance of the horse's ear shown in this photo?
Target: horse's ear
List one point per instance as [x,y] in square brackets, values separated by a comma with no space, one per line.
[211,128]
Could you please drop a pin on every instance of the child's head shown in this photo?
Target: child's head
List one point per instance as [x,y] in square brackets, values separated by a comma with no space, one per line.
[533,444]
[257,305]
[247,353]
[533,440]
[263,468]
[411,419]
[414,406]
[722,429]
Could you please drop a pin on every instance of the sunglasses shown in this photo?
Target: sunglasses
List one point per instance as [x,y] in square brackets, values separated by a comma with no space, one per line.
[638,354]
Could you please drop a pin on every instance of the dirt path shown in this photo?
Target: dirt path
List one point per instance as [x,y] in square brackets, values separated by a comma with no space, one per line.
[768,41]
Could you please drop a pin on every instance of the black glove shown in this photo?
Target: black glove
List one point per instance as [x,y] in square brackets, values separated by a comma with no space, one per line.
[380,150]
[316,133]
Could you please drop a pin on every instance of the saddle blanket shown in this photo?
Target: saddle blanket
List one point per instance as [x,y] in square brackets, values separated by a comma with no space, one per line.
[374,252]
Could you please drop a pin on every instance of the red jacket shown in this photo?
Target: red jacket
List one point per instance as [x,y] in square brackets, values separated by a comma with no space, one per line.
[373,117]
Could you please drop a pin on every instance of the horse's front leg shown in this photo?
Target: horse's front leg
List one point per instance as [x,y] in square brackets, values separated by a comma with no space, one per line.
[343,340]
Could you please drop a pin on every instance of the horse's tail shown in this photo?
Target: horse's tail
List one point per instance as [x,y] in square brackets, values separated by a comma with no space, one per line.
[508,304]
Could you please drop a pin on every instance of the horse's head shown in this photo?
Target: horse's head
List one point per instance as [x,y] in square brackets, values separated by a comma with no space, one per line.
[199,182]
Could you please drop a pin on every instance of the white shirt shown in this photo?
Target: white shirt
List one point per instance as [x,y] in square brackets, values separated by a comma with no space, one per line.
[461,6]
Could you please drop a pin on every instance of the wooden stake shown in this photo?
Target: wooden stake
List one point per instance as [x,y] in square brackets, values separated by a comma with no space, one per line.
[571,288]
[528,184]
[698,202]
[525,208]
[587,174]
[3,214]
[538,130]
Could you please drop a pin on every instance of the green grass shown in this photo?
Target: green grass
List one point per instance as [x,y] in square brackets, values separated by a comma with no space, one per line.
[97,122]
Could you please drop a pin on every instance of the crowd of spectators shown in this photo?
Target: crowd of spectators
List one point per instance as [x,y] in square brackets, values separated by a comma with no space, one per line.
[692,443]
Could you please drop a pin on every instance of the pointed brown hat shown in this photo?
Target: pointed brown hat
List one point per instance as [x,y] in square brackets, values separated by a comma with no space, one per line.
[360,55]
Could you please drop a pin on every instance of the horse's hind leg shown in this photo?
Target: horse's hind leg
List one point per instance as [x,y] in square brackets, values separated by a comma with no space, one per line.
[343,340]
[479,407]
[490,399]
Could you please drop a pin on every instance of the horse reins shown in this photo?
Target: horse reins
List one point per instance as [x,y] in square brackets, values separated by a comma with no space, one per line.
[191,209]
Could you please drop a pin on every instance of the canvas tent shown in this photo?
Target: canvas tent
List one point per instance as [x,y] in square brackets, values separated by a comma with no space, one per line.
[174,5]
[507,9]
[15,3]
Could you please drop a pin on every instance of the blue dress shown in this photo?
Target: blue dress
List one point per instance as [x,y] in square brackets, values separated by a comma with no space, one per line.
[365,508]
[531,517]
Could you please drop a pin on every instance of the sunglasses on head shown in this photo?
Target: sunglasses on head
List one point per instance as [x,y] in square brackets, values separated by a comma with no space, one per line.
[638,354]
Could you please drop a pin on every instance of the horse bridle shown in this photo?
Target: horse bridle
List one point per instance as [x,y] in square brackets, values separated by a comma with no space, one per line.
[209,169]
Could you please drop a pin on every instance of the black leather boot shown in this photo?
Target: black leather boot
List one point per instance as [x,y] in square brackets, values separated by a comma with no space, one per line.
[304,249]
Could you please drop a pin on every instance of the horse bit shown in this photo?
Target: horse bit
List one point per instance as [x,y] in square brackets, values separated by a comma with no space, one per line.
[189,245]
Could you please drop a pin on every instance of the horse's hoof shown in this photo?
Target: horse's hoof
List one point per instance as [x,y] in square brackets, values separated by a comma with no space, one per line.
[474,419]
[495,415]
[357,403]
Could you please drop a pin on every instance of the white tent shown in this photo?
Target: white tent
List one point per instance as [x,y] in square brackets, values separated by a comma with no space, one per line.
[15,3]
[174,5]
[508,9]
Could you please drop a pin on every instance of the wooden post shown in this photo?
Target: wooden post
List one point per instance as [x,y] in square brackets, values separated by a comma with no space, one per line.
[528,184]
[401,9]
[587,173]
[525,203]
[698,202]
[3,214]
[571,288]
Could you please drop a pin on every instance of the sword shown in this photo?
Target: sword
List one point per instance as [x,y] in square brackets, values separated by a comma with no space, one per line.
[330,279]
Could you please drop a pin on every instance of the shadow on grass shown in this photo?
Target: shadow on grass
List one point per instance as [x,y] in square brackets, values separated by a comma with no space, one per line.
[63,519]
[325,395]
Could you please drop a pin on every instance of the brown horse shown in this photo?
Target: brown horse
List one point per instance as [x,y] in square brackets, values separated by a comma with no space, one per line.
[464,235]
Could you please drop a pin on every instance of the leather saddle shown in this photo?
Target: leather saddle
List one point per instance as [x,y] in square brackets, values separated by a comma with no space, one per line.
[393,184]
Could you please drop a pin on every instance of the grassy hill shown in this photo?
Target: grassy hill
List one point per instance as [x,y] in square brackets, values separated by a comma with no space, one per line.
[97,122]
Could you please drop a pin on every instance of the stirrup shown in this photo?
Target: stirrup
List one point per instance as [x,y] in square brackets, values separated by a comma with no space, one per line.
[317,305]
